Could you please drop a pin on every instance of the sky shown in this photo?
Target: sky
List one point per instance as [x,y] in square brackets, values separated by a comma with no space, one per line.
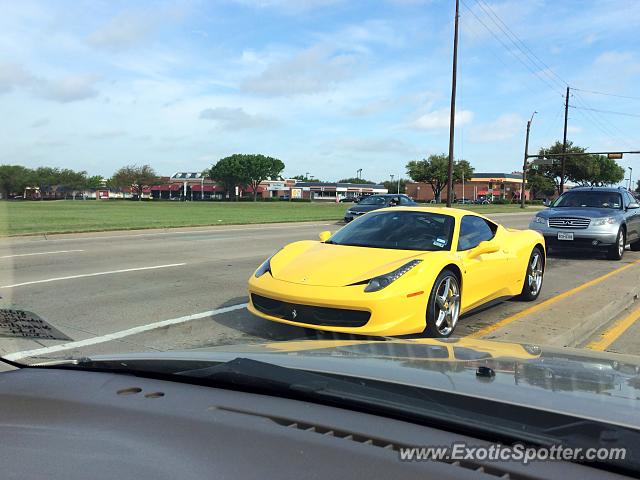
[327,86]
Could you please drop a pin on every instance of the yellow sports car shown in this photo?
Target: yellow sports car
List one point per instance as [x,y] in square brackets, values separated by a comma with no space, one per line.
[398,270]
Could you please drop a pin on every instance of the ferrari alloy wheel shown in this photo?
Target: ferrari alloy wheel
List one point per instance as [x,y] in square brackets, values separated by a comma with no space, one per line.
[444,305]
[534,276]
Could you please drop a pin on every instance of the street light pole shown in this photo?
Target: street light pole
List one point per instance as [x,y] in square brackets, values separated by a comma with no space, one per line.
[630,177]
[398,184]
[463,186]
[524,164]
[452,118]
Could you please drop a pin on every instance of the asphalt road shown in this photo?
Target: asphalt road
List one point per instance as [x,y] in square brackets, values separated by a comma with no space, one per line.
[98,287]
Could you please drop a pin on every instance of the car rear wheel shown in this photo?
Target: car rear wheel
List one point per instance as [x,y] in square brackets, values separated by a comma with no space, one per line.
[443,308]
[535,274]
[616,251]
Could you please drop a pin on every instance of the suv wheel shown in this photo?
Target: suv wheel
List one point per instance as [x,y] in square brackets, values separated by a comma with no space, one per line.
[616,251]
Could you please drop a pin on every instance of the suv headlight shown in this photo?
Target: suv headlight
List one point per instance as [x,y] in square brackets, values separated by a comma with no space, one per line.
[603,221]
[538,219]
[382,281]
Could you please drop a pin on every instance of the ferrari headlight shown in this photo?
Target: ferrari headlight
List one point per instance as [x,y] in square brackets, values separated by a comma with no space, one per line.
[378,283]
[604,221]
[264,268]
[537,219]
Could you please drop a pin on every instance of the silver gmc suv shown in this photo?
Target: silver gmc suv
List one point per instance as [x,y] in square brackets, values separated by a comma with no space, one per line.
[598,218]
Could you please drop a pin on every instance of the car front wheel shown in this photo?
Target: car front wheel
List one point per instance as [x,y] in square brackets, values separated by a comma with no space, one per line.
[443,308]
[616,251]
[534,276]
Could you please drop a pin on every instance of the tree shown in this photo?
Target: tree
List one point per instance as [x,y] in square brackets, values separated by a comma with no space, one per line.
[392,186]
[134,176]
[304,178]
[259,168]
[540,185]
[435,171]
[14,179]
[70,180]
[593,170]
[638,187]
[94,182]
[229,171]
[359,181]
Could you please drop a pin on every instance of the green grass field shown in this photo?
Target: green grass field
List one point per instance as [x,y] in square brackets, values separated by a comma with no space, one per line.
[65,216]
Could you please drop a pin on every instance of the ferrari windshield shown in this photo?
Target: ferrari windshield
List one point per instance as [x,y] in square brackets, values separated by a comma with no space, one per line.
[592,199]
[397,229]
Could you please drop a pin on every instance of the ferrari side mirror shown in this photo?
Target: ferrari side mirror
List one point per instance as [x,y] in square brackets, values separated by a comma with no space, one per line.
[324,236]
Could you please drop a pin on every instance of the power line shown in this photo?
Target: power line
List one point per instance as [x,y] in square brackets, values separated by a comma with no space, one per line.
[607,111]
[608,128]
[520,44]
[527,66]
[604,93]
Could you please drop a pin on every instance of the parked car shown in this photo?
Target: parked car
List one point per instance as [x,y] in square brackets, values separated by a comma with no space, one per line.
[349,199]
[464,201]
[601,218]
[374,202]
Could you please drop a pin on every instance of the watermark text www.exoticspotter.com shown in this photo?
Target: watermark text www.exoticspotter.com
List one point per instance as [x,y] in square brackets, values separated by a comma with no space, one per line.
[461,451]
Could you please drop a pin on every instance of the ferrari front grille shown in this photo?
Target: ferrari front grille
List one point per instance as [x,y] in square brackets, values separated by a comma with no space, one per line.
[323,316]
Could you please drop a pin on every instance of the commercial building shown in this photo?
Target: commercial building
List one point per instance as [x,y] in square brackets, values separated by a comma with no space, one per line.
[481,186]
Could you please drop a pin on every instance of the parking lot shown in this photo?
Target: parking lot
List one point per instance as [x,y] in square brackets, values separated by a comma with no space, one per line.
[177,289]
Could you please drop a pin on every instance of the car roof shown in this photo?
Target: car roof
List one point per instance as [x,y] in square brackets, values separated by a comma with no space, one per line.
[597,189]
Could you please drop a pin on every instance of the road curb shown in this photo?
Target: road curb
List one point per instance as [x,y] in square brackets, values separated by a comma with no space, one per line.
[597,320]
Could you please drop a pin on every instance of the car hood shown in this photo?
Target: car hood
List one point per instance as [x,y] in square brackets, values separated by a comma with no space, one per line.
[596,385]
[578,212]
[322,264]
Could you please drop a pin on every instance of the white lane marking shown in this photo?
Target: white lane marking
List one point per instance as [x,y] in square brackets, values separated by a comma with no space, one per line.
[40,253]
[121,334]
[71,277]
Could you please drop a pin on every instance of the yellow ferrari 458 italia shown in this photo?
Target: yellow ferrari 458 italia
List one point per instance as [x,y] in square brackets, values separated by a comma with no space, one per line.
[397,271]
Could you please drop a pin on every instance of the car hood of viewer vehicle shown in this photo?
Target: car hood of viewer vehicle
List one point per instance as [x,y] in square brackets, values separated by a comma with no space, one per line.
[597,385]
[590,212]
[322,264]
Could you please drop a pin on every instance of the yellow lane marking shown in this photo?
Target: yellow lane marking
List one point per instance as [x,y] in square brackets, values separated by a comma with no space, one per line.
[550,301]
[612,334]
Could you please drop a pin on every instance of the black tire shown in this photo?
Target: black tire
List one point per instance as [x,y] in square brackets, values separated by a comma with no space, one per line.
[616,251]
[534,277]
[635,246]
[435,305]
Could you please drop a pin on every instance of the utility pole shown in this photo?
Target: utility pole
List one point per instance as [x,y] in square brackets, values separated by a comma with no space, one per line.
[630,177]
[452,119]
[524,164]
[398,184]
[564,141]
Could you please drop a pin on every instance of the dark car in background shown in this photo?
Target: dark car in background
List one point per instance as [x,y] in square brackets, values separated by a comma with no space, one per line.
[374,202]
[601,218]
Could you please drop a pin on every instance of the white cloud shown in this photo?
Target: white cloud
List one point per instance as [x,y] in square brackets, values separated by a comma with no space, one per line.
[504,127]
[439,119]
[107,134]
[310,71]
[68,89]
[122,32]
[235,118]
[12,76]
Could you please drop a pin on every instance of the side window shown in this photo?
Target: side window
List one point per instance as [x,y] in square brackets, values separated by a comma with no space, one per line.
[474,230]
[404,201]
[628,198]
